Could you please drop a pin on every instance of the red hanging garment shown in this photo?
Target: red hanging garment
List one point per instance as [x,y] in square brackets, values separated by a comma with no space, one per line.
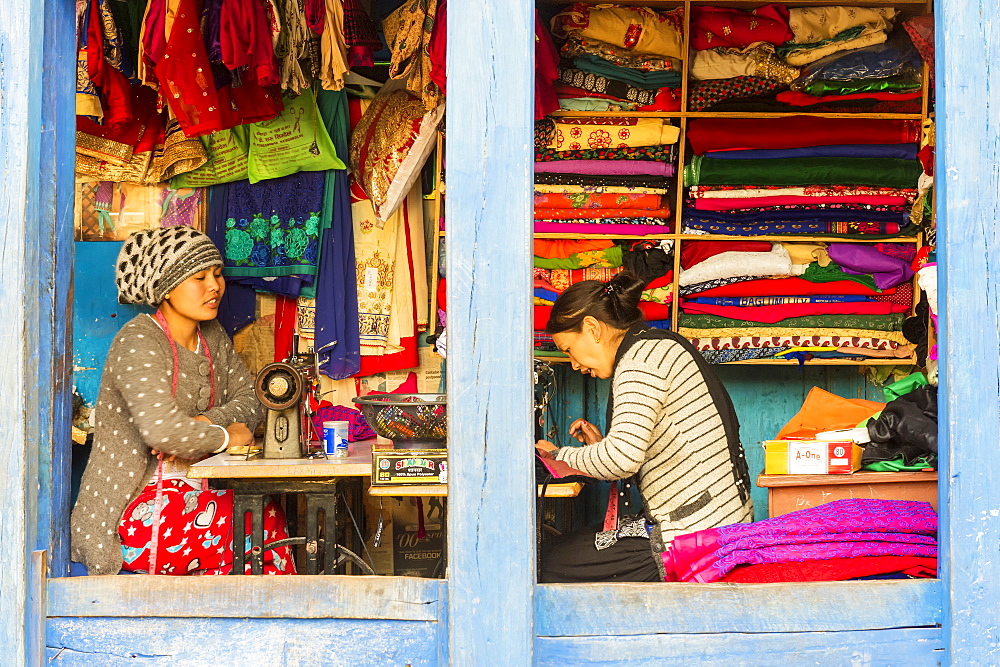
[245,38]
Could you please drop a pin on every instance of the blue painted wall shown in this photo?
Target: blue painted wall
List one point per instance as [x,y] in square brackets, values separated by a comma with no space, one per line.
[97,315]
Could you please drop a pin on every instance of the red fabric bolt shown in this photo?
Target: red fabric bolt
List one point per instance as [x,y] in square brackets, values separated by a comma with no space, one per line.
[793,287]
[719,134]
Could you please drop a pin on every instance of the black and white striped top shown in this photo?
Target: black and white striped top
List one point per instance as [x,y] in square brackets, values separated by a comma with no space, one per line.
[666,427]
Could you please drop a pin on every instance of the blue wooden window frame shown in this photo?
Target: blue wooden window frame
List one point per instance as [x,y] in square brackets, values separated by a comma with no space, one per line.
[490,604]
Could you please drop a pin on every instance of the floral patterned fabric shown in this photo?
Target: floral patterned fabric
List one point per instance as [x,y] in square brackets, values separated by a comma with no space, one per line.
[649,153]
[588,201]
[595,133]
[617,55]
[272,227]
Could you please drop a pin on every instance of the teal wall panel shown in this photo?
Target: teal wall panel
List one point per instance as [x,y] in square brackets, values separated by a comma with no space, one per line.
[97,315]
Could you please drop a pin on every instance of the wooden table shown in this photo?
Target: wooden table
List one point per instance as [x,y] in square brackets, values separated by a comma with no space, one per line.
[787,493]
[571,490]
[316,479]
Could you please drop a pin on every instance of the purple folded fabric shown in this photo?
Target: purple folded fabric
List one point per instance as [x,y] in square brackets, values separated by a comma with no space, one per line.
[607,167]
[860,259]
[584,228]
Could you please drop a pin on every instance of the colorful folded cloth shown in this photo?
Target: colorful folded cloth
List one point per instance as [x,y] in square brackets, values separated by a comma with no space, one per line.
[580,46]
[607,167]
[601,213]
[569,247]
[738,191]
[778,313]
[743,354]
[788,287]
[633,77]
[617,181]
[840,529]
[870,345]
[769,331]
[882,323]
[703,95]
[711,134]
[713,27]
[832,569]
[775,262]
[879,172]
[900,151]
[560,279]
[605,257]
[638,29]
[612,132]
[612,226]
[743,301]
[693,225]
[597,83]
[650,311]
[652,153]
[586,200]
[798,99]
[543,188]
[861,202]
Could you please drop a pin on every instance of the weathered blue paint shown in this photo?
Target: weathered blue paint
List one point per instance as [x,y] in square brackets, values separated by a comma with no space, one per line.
[579,610]
[488,207]
[53,262]
[240,641]
[968,202]
[33,294]
[97,315]
[913,647]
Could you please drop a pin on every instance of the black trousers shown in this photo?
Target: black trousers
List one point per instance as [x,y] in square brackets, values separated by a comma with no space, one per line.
[572,558]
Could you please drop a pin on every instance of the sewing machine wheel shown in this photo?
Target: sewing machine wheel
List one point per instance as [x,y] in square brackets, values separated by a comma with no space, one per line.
[278,386]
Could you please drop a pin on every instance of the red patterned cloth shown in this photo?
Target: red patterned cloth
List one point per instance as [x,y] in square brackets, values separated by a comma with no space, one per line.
[195,533]
[833,569]
[703,95]
[712,27]
[797,99]
[793,287]
[902,296]
[772,314]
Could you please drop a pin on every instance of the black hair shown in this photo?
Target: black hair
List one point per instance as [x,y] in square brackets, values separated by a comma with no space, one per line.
[615,303]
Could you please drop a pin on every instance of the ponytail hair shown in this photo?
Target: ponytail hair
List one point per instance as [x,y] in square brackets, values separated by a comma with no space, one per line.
[615,303]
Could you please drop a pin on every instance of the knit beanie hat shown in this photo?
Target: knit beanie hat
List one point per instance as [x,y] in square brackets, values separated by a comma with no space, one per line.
[154,261]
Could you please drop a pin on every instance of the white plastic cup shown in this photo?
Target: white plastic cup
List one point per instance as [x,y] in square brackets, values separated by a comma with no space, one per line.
[335,439]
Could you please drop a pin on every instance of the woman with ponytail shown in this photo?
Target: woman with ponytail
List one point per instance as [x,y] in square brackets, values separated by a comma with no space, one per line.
[173,391]
[671,425]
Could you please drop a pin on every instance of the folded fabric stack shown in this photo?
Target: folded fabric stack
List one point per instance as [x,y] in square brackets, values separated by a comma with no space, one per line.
[833,58]
[604,175]
[801,175]
[843,539]
[560,263]
[757,299]
[619,58]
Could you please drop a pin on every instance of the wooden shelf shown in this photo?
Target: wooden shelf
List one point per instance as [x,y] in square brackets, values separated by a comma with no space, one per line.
[798,111]
[872,361]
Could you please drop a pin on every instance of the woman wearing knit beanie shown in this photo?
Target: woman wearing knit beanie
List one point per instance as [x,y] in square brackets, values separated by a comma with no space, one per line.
[173,391]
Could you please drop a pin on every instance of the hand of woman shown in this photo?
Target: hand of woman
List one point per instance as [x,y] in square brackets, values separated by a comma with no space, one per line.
[545,448]
[584,431]
[239,435]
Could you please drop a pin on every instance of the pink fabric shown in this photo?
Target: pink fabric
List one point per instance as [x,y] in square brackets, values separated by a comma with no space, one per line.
[546,71]
[840,529]
[586,228]
[607,167]
[772,314]
[791,200]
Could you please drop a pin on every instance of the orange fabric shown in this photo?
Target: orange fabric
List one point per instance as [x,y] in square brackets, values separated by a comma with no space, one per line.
[823,411]
[564,248]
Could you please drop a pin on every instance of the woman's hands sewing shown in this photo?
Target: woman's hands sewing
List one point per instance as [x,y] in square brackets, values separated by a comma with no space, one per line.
[239,435]
[584,431]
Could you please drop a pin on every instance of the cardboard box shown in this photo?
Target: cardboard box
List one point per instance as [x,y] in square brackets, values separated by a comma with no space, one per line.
[811,457]
[396,467]
[400,551]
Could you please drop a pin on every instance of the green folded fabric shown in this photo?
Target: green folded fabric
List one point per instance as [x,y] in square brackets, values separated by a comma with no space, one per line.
[899,464]
[900,83]
[904,386]
[892,322]
[876,172]
[832,273]
[633,77]
[608,257]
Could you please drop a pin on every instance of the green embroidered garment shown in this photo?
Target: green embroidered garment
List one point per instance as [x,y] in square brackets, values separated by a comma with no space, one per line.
[272,227]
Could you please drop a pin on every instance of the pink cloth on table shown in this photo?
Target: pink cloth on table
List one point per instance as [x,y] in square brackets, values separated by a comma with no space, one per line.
[721,204]
[585,228]
[607,167]
[842,528]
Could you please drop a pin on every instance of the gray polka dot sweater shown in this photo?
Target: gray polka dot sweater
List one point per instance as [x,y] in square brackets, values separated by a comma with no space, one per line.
[136,413]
